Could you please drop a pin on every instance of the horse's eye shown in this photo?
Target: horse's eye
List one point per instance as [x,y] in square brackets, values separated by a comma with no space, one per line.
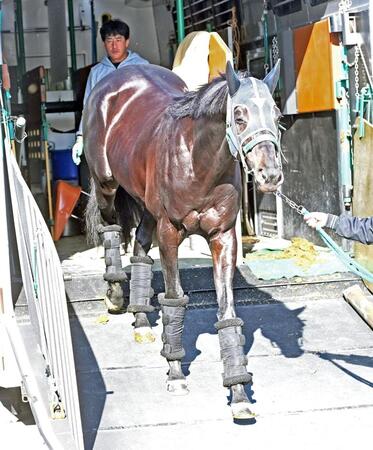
[241,124]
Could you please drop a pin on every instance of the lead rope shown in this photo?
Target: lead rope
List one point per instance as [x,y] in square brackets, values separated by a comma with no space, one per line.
[353,266]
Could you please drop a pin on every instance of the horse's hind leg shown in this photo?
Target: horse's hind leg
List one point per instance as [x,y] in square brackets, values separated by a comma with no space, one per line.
[114,275]
[141,291]
[173,303]
[101,217]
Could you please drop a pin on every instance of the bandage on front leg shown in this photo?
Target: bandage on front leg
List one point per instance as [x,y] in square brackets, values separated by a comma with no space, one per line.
[173,313]
[232,354]
[141,290]
[111,241]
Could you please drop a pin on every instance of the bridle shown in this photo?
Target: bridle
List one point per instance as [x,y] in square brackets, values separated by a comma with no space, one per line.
[243,143]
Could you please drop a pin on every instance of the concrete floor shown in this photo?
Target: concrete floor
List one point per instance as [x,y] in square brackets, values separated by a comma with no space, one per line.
[310,354]
[312,365]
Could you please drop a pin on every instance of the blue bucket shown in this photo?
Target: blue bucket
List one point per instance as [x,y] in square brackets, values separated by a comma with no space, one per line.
[63,165]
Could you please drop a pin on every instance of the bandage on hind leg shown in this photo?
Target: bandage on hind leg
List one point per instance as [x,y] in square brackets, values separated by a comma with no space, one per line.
[111,241]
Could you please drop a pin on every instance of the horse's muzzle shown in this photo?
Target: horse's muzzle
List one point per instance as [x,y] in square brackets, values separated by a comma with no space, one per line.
[265,163]
[269,180]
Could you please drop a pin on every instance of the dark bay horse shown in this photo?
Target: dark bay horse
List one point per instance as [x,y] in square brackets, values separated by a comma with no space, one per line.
[163,159]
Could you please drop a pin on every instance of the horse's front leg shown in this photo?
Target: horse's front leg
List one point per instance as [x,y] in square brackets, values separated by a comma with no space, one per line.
[173,303]
[224,253]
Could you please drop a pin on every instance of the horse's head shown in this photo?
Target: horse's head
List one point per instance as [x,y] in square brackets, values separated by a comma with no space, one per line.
[252,126]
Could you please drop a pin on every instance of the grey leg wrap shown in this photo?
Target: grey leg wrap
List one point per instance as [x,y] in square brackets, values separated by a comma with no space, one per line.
[231,342]
[173,313]
[110,236]
[140,285]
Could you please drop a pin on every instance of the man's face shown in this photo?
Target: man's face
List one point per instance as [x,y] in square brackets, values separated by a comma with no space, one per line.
[116,47]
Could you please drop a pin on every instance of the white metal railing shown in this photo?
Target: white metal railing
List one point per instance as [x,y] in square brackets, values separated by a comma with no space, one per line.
[45,292]
[9,373]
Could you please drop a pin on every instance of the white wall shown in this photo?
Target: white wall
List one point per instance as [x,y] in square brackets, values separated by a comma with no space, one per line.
[145,40]
[137,13]
[165,30]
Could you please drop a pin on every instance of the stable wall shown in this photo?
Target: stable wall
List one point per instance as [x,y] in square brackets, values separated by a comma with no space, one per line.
[137,13]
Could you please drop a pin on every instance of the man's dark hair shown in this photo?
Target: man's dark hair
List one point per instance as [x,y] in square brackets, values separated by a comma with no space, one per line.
[113,27]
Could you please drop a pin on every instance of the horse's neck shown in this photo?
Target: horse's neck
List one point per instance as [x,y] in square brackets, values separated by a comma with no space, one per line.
[210,146]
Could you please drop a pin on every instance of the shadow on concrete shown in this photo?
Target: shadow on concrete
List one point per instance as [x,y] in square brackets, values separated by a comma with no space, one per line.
[11,399]
[280,325]
[359,360]
[91,386]
[275,321]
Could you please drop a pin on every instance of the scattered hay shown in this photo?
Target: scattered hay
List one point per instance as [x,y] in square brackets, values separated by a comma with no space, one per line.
[302,251]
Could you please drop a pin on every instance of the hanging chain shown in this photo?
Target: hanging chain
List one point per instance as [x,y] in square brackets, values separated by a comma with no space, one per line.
[264,21]
[236,37]
[357,81]
[300,209]
[344,5]
[275,50]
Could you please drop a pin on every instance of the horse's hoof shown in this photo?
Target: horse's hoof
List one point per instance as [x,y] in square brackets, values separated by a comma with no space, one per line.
[241,411]
[114,308]
[144,335]
[177,387]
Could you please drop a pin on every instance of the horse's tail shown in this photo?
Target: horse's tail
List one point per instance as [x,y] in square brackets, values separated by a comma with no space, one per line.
[92,217]
[129,214]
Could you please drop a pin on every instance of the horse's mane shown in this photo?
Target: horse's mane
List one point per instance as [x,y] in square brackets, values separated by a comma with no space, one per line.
[209,100]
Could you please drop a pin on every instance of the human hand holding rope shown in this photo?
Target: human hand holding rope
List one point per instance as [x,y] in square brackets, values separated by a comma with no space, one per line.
[316,219]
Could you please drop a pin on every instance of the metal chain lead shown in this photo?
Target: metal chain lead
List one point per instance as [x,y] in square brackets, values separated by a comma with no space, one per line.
[357,84]
[344,5]
[300,209]
[275,50]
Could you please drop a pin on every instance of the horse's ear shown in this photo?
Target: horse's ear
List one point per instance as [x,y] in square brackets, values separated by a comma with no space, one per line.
[271,79]
[232,79]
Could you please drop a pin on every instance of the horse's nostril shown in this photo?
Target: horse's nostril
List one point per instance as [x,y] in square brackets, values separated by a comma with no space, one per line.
[272,177]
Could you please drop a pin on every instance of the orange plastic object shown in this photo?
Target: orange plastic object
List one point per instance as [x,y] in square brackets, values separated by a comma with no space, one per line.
[315,53]
[67,196]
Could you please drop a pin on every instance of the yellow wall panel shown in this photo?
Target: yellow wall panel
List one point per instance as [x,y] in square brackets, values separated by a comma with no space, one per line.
[219,54]
[363,190]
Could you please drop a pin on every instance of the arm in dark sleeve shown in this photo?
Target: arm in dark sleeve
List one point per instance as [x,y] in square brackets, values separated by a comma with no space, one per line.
[355,228]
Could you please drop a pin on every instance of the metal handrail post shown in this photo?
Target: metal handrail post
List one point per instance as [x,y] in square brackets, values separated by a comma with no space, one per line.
[20,40]
[70,7]
[180,20]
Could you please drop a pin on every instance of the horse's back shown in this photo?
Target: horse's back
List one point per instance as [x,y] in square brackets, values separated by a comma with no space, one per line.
[141,79]
[122,111]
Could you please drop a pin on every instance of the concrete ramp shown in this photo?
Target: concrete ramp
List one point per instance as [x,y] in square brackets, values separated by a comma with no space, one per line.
[310,354]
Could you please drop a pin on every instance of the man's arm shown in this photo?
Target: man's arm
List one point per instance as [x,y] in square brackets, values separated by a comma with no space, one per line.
[349,227]
[358,229]
[77,149]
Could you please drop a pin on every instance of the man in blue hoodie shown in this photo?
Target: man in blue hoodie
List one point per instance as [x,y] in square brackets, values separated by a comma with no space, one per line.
[115,36]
